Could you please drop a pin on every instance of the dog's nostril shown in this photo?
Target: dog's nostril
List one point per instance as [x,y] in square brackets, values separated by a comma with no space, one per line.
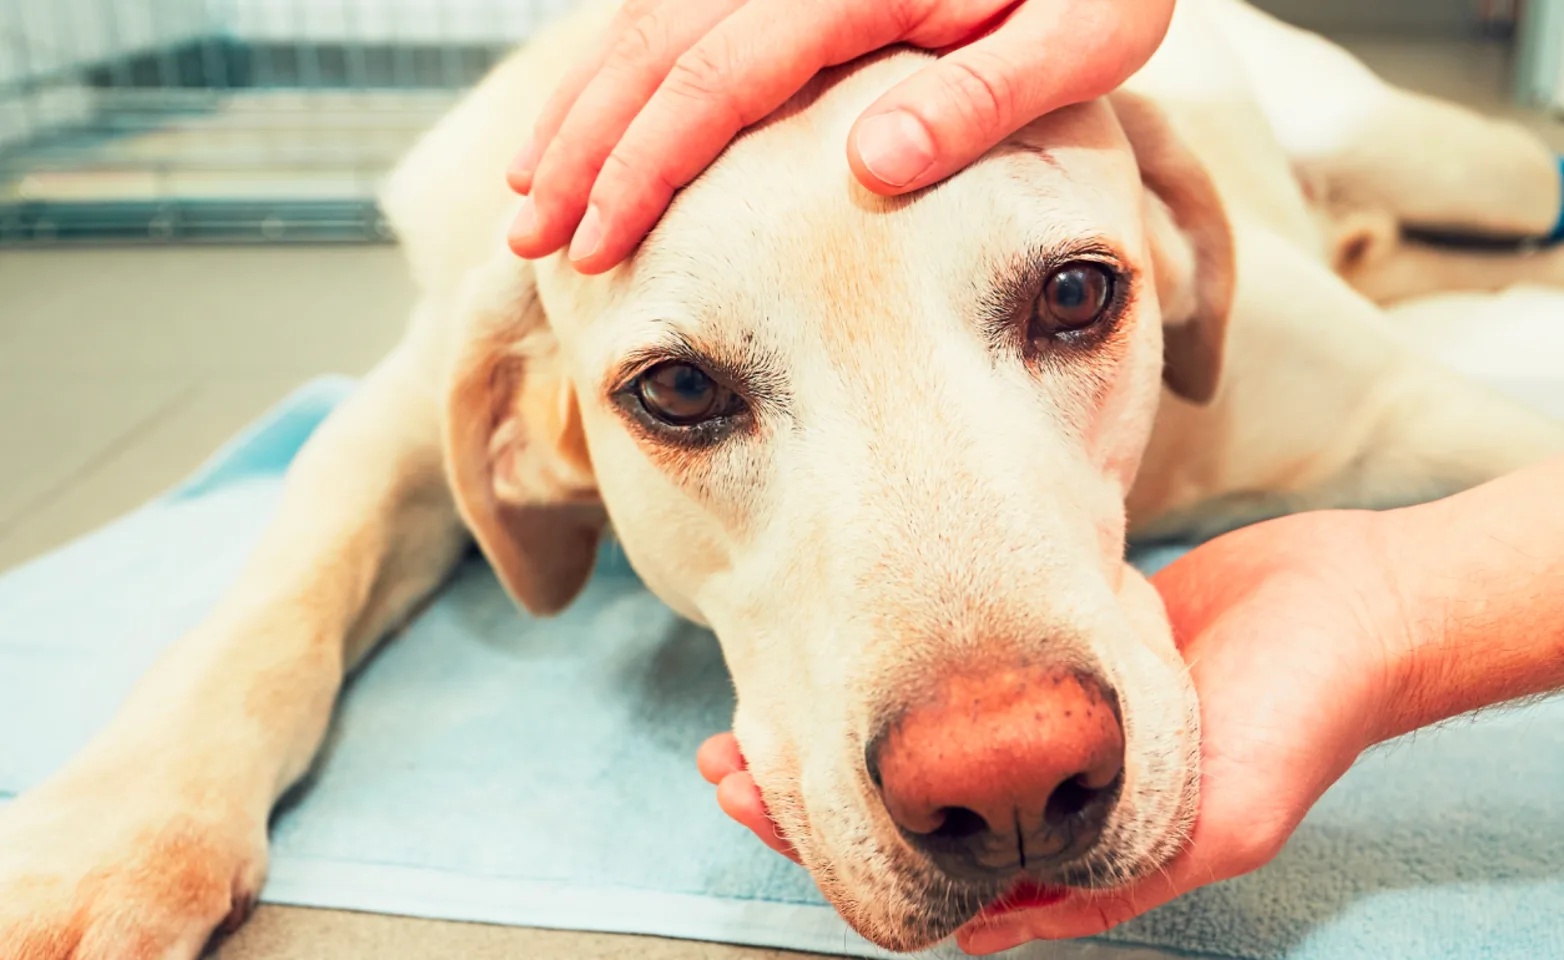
[871,762]
[1072,797]
[994,771]
[959,823]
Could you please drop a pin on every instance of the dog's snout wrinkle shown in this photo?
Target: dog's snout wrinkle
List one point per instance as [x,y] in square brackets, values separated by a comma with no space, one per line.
[1002,773]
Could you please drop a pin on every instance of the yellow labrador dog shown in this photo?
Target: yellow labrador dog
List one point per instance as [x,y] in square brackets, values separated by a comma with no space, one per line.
[889,450]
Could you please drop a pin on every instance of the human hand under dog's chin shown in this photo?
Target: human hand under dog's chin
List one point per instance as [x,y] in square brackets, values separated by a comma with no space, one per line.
[722,763]
[1287,628]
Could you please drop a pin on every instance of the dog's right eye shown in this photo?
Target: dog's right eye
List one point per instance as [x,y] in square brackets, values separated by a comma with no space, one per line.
[681,394]
[1075,296]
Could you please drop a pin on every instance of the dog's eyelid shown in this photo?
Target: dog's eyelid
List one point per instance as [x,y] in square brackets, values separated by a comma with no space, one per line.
[638,361]
[753,377]
[1017,287]
[1098,250]
[1031,270]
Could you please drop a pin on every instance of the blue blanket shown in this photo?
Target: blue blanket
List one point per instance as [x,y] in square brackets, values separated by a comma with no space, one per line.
[488,766]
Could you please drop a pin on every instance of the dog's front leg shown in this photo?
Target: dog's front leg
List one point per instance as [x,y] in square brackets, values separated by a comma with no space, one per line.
[1326,405]
[155,834]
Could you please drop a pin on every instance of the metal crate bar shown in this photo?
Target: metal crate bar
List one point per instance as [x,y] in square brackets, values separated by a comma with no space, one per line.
[227,120]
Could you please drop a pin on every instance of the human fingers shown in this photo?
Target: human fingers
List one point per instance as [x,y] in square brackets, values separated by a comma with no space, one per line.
[590,112]
[739,798]
[718,757]
[1044,56]
[742,70]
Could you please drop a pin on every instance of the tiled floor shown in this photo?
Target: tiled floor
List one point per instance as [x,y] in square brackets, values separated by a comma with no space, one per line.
[121,369]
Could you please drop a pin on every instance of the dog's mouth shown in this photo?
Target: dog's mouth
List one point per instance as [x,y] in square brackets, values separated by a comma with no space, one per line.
[1026,894]
[935,925]
[945,905]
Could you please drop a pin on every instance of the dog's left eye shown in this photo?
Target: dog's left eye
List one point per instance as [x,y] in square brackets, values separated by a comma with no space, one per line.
[682,395]
[1075,296]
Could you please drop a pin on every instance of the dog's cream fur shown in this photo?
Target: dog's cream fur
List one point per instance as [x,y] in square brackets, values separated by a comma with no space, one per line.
[911,495]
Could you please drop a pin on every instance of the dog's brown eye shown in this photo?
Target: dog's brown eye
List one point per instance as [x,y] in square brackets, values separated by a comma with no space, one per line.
[682,394]
[1076,296]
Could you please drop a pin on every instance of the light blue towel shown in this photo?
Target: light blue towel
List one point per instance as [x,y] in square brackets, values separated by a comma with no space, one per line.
[486,766]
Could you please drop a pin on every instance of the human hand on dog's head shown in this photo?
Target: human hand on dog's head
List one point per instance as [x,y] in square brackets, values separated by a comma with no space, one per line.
[678,79]
[1287,628]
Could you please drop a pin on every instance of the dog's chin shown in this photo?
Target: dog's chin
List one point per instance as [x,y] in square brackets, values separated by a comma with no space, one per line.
[905,905]
[918,925]
[913,907]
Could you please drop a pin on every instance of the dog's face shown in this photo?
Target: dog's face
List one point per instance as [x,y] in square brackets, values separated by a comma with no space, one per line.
[882,448]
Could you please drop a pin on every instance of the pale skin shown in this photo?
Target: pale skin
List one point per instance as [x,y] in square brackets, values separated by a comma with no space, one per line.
[1311,639]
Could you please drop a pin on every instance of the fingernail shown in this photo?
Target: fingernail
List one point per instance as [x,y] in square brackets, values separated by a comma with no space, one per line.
[526,222]
[895,147]
[589,235]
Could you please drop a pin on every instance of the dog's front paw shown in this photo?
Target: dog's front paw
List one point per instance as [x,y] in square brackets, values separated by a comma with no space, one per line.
[109,868]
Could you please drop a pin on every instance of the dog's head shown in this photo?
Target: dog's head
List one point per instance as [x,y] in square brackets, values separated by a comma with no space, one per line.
[882,447]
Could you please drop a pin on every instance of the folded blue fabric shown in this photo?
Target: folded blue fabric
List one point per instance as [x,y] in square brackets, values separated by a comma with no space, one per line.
[488,766]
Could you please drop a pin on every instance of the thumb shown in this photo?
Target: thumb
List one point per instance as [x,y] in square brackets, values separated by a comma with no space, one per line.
[1045,56]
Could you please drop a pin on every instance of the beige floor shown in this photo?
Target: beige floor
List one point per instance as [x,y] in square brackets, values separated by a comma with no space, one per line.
[121,369]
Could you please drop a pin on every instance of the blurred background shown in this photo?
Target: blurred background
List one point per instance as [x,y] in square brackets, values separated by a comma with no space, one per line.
[272,120]
[226,119]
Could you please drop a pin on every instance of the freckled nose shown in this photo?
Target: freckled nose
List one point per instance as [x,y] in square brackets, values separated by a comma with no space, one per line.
[1011,770]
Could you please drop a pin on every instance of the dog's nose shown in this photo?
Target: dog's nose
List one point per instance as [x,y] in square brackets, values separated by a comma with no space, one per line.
[1009,771]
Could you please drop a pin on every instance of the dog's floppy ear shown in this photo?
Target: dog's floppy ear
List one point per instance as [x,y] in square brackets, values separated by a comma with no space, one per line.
[515,453]
[1191,249]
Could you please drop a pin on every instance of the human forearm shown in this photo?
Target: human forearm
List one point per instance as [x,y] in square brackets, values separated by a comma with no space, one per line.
[1483,599]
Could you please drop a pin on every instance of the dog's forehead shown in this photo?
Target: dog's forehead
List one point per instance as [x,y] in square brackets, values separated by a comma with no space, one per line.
[781,207]
[779,232]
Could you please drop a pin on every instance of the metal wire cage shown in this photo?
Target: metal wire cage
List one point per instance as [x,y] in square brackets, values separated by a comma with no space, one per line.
[227,120]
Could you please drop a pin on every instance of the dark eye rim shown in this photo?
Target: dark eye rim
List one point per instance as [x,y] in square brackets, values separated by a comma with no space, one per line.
[1039,305]
[1037,344]
[629,399]
[639,384]
[1110,280]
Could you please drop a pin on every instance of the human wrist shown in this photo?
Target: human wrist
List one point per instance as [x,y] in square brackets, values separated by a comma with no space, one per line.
[1413,628]
[1479,582]
[1377,578]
